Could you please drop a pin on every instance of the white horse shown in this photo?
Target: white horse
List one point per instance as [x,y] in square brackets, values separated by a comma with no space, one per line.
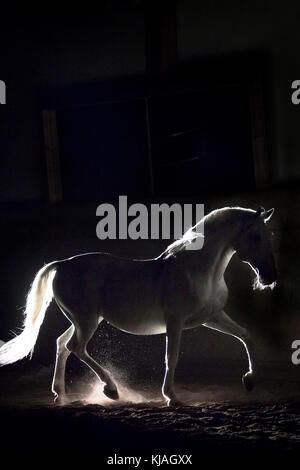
[178,290]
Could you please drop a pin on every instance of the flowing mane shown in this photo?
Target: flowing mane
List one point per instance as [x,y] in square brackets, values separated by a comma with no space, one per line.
[225,215]
[180,245]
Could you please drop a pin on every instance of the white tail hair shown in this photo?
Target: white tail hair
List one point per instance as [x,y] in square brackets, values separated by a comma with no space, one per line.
[38,299]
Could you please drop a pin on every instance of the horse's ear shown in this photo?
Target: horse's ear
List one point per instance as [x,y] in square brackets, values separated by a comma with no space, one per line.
[268,214]
[260,211]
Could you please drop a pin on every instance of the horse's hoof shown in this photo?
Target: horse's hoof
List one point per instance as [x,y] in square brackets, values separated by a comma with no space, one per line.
[111,393]
[59,400]
[174,402]
[248,381]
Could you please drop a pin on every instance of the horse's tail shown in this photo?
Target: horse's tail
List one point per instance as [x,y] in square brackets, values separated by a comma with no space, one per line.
[38,299]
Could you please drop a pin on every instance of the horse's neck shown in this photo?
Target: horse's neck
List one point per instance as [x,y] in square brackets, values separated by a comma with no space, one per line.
[218,245]
[220,252]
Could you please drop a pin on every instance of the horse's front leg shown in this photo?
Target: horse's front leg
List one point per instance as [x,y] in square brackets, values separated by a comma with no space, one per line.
[223,323]
[173,337]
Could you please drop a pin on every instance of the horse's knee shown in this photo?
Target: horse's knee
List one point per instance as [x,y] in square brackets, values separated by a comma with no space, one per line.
[78,349]
[63,339]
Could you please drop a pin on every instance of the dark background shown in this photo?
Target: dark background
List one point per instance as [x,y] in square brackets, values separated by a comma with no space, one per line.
[152,100]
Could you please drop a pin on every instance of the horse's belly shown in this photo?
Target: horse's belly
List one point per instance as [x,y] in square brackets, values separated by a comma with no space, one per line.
[136,316]
[143,329]
[138,325]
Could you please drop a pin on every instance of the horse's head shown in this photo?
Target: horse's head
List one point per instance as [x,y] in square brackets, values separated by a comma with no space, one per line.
[253,245]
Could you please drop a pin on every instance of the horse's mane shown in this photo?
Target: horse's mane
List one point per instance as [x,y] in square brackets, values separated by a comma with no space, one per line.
[181,244]
[225,214]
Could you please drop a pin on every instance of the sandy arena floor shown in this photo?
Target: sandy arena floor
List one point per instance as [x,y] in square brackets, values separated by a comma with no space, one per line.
[214,420]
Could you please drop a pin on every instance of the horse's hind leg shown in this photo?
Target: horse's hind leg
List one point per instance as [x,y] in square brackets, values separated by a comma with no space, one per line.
[174,329]
[223,323]
[62,354]
[78,343]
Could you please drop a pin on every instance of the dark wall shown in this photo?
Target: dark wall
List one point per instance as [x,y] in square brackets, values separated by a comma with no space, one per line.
[50,51]
[55,51]
[217,28]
